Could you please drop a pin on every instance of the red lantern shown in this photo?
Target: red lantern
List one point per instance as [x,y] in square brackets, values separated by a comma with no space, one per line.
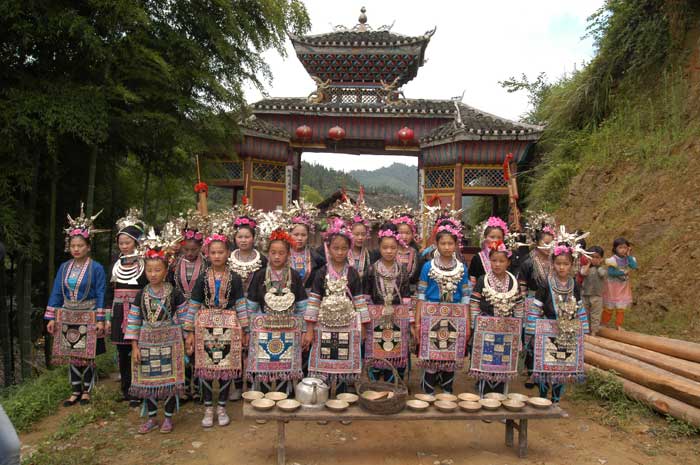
[304,133]
[406,135]
[336,133]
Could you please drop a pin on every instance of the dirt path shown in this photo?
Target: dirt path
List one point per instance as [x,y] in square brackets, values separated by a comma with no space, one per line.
[574,441]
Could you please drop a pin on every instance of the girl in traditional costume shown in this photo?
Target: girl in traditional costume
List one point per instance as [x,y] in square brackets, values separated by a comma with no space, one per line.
[390,310]
[408,254]
[336,313]
[494,230]
[534,271]
[127,278]
[187,268]
[443,329]
[76,311]
[557,321]
[276,301]
[357,218]
[244,261]
[497,311]
[304,259]
[159,327]
[617,291]
[220,318]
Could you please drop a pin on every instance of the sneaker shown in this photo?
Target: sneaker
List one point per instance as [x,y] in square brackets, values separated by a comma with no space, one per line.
[133,403]
[149,426]
[261,422]
[167,426]
[322,422]
[346,422]
[222,416]
[208,420]
[235,394]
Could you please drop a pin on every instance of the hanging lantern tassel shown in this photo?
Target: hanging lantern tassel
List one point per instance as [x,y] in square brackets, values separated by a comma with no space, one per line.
[406,135]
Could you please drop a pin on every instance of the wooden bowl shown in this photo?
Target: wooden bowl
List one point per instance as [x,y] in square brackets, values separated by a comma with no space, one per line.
[337,405]
[444,396]
[445,406]
[348,397]
[276,396]
[429,398]
[513,405]
[288,405]
[517,396]
[490,404]
[377,395]
[250,396]
[263,404]
[417,405]
[539,402]
[468,397]
[470,406]
[496,395]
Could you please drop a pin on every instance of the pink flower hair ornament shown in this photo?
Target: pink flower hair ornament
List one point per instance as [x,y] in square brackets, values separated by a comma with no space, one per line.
[451,229]
[548,229]
[562,250]
[79,232]
[243,221]
[304,220]
[337,227]
[192,235]
[407,220]
[496,222]
[499,246]
[389,233]
[358,219]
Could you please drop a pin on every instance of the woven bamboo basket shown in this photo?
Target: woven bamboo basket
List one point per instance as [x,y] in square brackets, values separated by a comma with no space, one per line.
[387,405]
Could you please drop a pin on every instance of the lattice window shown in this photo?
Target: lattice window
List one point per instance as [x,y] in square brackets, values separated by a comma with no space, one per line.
[233,169]
[484,177]
[354,95]
[441,178]
[268,172]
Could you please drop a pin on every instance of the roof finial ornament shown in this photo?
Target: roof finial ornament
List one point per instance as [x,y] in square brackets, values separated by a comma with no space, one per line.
[362,27]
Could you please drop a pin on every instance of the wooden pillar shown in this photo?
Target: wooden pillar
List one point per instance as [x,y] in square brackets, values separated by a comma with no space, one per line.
[458,187]
[247,177]
[289,178]
[421,182]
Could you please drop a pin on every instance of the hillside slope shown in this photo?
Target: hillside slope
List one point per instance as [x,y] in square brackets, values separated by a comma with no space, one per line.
[398,177]
[631,170]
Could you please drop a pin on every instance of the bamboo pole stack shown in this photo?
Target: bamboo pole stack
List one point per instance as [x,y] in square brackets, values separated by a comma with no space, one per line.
[660,372]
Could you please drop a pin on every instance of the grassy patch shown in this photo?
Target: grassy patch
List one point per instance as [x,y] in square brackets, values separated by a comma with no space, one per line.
[29,402]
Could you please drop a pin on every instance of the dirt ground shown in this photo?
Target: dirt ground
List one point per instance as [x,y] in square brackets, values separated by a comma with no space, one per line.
[574,441]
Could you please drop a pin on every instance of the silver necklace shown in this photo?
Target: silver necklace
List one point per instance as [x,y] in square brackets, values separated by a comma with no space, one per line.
[244,268]
[446,278]
[498,295]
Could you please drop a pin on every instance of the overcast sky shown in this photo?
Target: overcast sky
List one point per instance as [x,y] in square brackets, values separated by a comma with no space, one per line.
[476,45]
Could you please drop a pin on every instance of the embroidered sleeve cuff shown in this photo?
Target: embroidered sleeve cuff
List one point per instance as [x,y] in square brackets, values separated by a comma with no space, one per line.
[50,313]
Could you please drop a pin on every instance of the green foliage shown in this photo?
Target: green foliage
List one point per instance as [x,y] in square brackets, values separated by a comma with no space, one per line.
[398,177]
[628,104]
[311,195]
[618,409]
[31,401]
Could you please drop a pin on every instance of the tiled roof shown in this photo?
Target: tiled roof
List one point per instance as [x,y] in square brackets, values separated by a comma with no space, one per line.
[349,38]
[475,124]
[254,124]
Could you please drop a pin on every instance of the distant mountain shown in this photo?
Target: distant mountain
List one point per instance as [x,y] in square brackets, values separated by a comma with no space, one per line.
[398,177]
[393,185]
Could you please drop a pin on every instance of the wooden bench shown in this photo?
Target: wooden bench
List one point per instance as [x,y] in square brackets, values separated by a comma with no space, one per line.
[513,420]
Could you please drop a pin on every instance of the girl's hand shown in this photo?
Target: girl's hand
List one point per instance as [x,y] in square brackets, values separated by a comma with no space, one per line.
[189,343]
[136,353]
[307,339]
[413,333]
[100,329]
[108,327]
[50,326]
[246,339]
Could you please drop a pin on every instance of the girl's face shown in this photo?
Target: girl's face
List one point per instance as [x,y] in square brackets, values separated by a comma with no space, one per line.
[406,233]
[562,266]
[547,239]
[446,245]
[359,234]
[494,235]
[300,235]
[338,249]
[278,255]
[244,239]
[191,249]
[126,244]
[218,253]
[596,259]
[499,263]
[79,247]
[622,250]
[156,270]
[388,248]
